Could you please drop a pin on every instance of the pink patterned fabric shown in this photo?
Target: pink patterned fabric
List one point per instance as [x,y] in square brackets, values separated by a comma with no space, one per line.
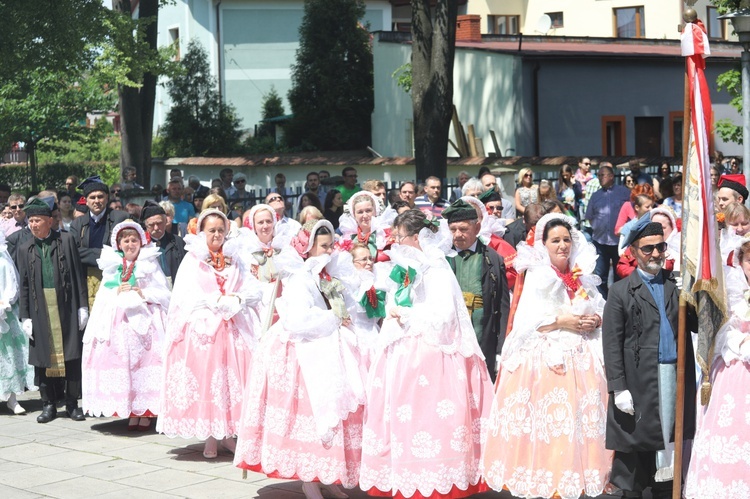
[123,347]
[208,356]
[720,462]
[278,435]
[122,375]
[426,421]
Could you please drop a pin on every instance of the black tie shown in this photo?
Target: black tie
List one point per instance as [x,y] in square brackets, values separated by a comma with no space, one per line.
[465,254]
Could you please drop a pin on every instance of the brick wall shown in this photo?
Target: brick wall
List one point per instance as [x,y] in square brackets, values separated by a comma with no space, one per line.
[468,29]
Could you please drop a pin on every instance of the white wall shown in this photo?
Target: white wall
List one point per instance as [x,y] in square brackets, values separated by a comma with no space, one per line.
[589,17]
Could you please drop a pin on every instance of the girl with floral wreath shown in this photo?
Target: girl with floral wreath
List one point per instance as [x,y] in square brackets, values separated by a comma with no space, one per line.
[123,345]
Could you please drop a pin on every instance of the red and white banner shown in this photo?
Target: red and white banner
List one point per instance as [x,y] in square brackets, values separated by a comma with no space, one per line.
[702,273]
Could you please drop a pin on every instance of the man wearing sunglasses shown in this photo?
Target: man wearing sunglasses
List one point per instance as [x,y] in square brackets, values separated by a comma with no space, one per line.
[639,336]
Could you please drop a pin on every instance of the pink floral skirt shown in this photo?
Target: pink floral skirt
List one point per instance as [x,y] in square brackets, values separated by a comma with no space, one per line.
[720,462]
[204,379]
[425,421]
[278,434]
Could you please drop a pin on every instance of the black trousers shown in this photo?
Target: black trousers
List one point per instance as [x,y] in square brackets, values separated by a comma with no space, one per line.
[633,472]
[68,388]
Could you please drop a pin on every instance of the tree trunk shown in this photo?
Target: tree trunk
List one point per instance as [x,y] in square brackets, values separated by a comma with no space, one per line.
[433,49]
[137,105]
[31,155]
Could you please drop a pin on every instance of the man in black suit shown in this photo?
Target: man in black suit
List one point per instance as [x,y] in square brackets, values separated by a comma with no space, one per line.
[171,247]
[94,229]
[639,335]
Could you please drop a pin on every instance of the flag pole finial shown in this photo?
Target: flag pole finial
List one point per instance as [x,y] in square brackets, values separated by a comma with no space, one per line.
[690,15]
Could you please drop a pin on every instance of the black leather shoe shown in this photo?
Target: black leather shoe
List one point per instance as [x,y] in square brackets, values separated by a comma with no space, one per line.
[76,414]
[49,412]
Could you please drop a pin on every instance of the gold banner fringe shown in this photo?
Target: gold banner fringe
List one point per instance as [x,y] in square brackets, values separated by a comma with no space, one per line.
[705,392]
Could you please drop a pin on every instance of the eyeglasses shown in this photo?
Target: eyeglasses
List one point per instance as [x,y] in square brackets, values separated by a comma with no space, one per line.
[586,164]
[115,191]
[15,206]
[368,259]
[239,181]
[275,198]
[647,249]
[528,175]
[492,209]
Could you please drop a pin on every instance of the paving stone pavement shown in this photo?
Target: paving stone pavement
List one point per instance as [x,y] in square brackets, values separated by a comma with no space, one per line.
[100,458]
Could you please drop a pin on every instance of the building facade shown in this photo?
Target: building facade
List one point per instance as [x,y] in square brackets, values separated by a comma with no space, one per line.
[657,19]
[557,96]
[252,45]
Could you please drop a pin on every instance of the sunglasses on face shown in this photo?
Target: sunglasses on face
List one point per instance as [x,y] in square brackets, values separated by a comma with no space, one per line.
[15,206]
[527,175]
[647,249]
[275,198]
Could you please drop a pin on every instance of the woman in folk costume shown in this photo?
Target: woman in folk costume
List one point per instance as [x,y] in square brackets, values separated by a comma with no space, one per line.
[302,413]
[720,462]
[362,223]
[547,426]
[428,388]
[212,330]
[123,345]
[263,243]
[16,375]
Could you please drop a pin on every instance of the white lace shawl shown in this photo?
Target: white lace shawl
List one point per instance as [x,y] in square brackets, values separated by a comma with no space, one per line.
[438,313]
[192,308]
[544,297]
[152,283]
[730,336]
[325,350]
[8,286]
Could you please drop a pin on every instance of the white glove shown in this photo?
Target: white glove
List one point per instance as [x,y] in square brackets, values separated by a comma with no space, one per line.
[624,402]
[678,281]
[745,351]
[26,326]
[83,318]
[228,306]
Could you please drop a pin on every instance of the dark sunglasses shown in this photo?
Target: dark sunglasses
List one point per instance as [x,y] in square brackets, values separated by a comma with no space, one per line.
[15,206]
[647,249]
[275,198]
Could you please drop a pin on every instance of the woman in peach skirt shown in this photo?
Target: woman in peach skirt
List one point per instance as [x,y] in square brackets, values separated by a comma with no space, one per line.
[547,422]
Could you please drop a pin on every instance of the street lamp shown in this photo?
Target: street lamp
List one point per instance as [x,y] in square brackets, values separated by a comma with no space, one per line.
[741,23]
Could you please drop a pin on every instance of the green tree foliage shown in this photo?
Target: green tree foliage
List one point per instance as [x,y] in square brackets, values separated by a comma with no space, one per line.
[58,35]
[273,106]
[199,123]
[332,80]
[731,81]
[47,83]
